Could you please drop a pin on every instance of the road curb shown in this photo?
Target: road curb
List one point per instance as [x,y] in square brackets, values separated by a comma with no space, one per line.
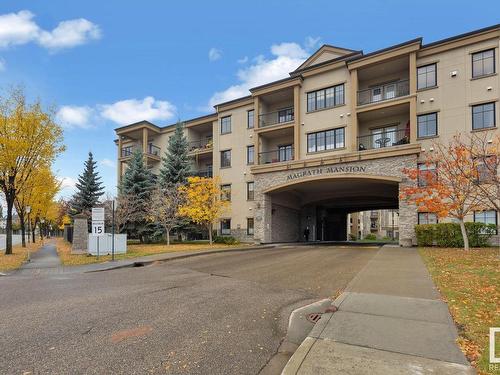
[142,263]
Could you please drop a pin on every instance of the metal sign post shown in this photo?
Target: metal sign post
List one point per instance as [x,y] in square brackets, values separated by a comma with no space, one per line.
[98,224]
[113,230]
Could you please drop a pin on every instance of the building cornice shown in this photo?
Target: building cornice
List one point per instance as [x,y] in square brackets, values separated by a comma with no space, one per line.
[357,156]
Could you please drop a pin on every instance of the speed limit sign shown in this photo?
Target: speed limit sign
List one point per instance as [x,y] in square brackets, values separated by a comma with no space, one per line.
[98,228]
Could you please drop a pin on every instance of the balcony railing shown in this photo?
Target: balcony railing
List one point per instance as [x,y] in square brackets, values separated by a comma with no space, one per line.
[154,150]
[277,117]
[276,156]
[208,173]
[151,150]
[199,145]
[383,92]
[383,139]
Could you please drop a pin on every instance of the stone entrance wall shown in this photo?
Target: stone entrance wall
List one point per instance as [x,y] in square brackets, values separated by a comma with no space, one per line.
[266,223]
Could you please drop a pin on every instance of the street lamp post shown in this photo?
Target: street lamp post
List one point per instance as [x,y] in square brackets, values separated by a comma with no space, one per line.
[28,210]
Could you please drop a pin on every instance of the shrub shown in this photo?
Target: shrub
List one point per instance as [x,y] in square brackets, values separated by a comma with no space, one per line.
[480,233]
[425,234]
[450,235]
[228,240]
[370,237]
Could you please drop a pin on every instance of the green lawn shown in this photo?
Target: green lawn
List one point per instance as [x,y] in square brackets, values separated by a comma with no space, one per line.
[469,282]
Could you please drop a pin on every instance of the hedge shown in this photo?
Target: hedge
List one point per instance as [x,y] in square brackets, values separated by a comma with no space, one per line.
[450,235]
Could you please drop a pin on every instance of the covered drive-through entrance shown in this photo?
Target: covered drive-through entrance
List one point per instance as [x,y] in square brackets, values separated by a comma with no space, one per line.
[313,203]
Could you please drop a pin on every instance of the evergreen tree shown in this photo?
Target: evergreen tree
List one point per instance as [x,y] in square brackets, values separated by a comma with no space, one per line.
[136,189]
[89,189]
[176,166]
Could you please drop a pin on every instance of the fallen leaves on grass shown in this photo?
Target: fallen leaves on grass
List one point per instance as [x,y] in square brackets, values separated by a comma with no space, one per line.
[18,257]
[133,251]
[469,282]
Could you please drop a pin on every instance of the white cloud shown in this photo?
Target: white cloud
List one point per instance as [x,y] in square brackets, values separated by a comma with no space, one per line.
[243,60]
[133,110]
[20,28]
[287,57]
[67,183]
[69,34]
[107,163]
[74,116]
[312,43]
[214,54]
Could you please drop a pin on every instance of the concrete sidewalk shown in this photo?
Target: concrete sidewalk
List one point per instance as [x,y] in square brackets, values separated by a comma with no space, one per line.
[390,320]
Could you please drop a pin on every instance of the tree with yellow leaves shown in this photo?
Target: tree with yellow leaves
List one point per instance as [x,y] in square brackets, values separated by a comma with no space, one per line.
[203,204]
[29,140]
[42,183]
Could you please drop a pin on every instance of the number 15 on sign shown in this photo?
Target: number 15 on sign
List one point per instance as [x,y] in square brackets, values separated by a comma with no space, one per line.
[98,228]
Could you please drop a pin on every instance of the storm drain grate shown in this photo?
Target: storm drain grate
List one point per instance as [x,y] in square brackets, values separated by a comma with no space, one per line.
[314,317]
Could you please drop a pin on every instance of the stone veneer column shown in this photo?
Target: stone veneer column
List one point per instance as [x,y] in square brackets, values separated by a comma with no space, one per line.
[408,218]
[80,235]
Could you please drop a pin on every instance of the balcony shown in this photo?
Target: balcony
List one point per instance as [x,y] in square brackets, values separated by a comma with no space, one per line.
[284,153]
[152,150]
[277,117]
[381,93]
[201,145]
[382,139]
[207,173]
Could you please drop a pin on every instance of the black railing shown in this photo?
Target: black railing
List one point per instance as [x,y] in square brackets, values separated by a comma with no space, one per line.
[383,139]
[203,173]
[383,92]
[151,150]
[202,144]
[154,150]
[276,156]
[127,151]
[277,117]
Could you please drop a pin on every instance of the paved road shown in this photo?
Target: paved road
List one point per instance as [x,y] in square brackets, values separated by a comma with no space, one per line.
[210,314]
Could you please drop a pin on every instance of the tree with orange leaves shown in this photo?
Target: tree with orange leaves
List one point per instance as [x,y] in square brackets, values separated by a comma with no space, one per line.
[447,183]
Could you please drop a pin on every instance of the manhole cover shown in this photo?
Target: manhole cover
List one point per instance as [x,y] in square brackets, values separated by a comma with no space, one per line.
[314,317]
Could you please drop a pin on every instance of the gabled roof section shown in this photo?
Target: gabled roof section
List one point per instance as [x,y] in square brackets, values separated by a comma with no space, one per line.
[325,53]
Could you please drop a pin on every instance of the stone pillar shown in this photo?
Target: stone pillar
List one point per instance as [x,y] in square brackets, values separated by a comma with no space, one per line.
[263,218]
[408,218]
[355,225]
[80,235]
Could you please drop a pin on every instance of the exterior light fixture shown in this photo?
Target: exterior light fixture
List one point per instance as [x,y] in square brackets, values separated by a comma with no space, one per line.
[422,101]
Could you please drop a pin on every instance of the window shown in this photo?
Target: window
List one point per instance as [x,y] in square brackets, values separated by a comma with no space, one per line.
[285,115]
[225,192]
[486,217]
[483,116]
[426,76]
[250,226]
[285,153]
[225,159]
[427,218]
[427,125]
[225,226]
[325,98]
[486,168]
[250,191]
[483,63]
[250,120]
[225,125]
[426,174]
[250,154]
[326,140]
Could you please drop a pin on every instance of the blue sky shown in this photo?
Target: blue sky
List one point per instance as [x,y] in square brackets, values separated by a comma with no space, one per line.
[108,63]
